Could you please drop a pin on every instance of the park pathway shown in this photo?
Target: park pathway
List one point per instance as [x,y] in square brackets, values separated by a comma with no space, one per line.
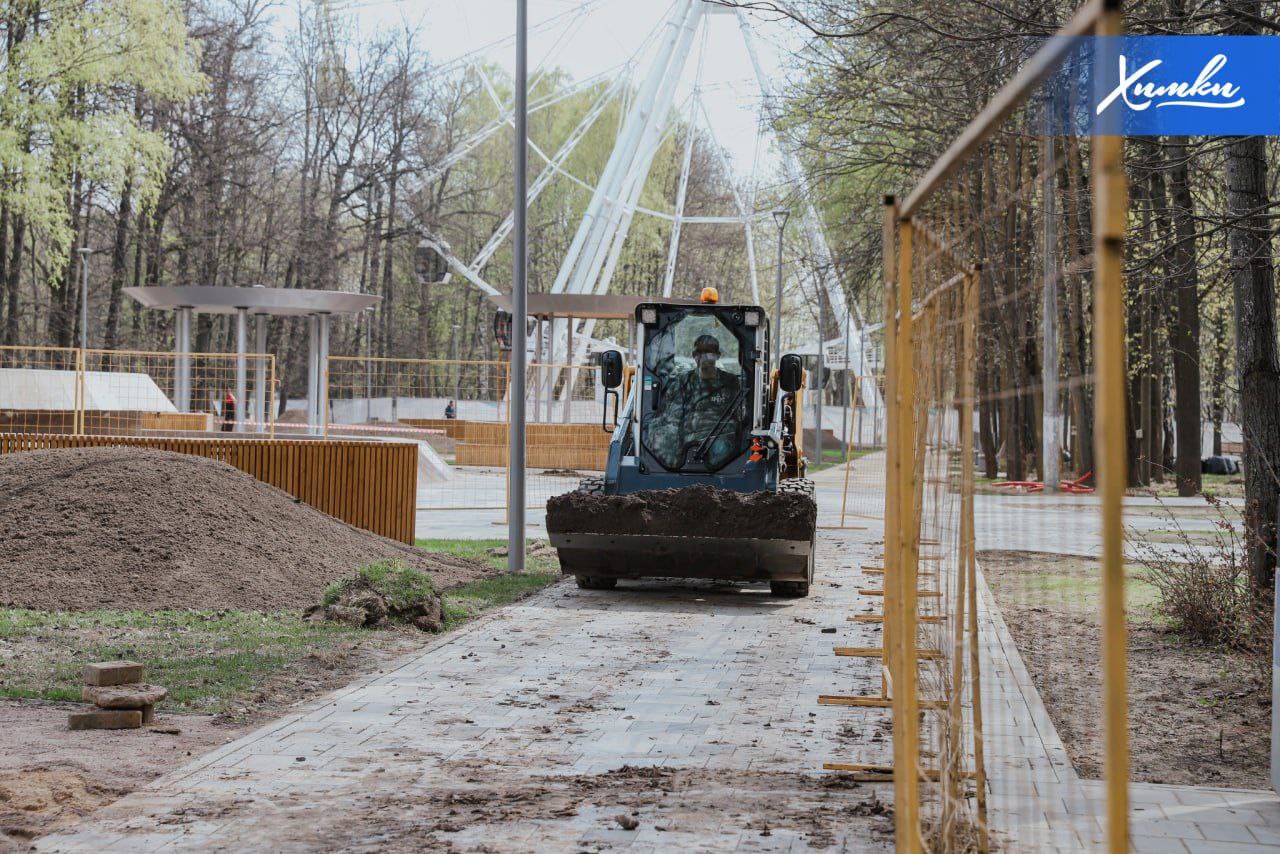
[688,708]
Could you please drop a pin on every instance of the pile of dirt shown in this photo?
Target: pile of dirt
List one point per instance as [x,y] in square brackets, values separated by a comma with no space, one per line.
[134,528]
[693,511]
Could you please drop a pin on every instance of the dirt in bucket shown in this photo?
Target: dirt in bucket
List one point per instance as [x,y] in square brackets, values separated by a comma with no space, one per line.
[692,511]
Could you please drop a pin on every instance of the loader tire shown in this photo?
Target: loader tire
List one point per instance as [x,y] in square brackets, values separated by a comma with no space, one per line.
[797,486]
[591,485]
[591,582]
[789,589]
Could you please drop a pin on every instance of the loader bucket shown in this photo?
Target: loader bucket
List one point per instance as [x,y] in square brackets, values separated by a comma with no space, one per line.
[669,556]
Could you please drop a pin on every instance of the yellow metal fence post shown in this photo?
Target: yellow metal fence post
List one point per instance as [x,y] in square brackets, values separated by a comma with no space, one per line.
[889,253]
[1110,210]
[906,720]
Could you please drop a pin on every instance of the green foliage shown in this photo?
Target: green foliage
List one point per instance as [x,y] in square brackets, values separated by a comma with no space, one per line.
[68,93]
[401,585]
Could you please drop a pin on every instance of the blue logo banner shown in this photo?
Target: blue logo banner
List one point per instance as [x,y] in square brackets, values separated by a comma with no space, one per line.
[1166,86]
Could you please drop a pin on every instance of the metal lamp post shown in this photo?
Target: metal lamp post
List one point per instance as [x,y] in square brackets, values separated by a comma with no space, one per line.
[780,216]
[519,299]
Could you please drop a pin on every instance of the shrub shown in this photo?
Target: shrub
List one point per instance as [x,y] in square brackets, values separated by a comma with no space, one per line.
[1204,589]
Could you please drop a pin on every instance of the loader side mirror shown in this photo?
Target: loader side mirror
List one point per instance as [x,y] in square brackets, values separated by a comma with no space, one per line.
[610,369]
[790,372]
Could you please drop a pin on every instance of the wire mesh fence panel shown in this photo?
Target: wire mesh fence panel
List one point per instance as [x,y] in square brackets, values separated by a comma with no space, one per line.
[862,485]
[40,390]
[458,413]
[1003,583]
[134,393]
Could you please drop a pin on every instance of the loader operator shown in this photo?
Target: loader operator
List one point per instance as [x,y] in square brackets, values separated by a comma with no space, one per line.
[695,405]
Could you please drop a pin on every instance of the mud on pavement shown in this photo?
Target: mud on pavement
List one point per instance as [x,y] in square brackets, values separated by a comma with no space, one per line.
[485,810]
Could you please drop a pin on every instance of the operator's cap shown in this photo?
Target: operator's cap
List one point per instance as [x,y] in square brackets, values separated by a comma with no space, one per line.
[709,295]
[706,344]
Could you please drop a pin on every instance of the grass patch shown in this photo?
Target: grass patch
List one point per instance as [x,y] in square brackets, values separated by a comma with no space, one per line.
[1216,485]
[212,661]
[401,585]
[1063,581]
[205,658]
[463,603]
[831,458]
[479,550]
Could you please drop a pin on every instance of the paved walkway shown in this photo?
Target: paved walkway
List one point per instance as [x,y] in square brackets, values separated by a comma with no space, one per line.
[689,709]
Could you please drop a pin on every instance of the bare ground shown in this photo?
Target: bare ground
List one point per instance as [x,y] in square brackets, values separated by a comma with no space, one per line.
[51,777]
[1197,716]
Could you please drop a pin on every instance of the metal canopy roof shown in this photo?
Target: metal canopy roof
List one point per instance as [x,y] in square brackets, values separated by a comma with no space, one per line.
[585,306]
[286,302]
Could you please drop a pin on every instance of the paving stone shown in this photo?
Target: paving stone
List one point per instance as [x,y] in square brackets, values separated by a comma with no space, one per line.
[114,673]
[124,696]
[105,719]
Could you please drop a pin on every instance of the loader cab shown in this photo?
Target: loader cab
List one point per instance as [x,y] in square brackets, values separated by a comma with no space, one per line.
[696,399]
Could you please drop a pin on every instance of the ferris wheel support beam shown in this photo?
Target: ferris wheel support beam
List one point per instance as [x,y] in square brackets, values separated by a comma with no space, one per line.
[669,276]
[815,234]
[554,164]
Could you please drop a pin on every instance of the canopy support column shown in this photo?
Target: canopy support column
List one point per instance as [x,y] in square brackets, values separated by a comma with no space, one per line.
[182,358]
[260,374]
[569,377]
[242,377]
[313,385]
[322,374]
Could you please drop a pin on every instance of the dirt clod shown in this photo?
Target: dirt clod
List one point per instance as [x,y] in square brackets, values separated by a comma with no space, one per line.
[360,604]
[693,511]
[133,528]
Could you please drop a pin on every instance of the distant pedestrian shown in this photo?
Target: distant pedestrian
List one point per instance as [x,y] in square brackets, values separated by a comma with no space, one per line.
[229,413]
[451,410]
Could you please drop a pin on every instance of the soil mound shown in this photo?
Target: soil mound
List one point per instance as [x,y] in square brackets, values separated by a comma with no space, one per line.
[693,511]
[134,528]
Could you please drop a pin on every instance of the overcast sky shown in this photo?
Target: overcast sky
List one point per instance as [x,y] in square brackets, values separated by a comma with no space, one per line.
[610,32]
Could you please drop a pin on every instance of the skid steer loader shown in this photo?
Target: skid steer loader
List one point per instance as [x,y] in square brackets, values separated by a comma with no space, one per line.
[701,409]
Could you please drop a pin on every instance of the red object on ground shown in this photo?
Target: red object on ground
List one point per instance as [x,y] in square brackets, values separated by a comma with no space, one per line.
[1076,486]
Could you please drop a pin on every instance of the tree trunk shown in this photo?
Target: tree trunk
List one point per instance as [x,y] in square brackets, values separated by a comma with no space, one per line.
[13,279]
[119,261]
[1257,367]
[1184,333]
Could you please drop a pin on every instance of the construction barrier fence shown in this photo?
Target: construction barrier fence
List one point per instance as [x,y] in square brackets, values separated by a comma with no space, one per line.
[66,390]
[1003,601]
[458,412]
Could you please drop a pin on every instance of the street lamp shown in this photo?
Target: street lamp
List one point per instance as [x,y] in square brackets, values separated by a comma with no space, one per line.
[780,216]
[519,298]
[85,252]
